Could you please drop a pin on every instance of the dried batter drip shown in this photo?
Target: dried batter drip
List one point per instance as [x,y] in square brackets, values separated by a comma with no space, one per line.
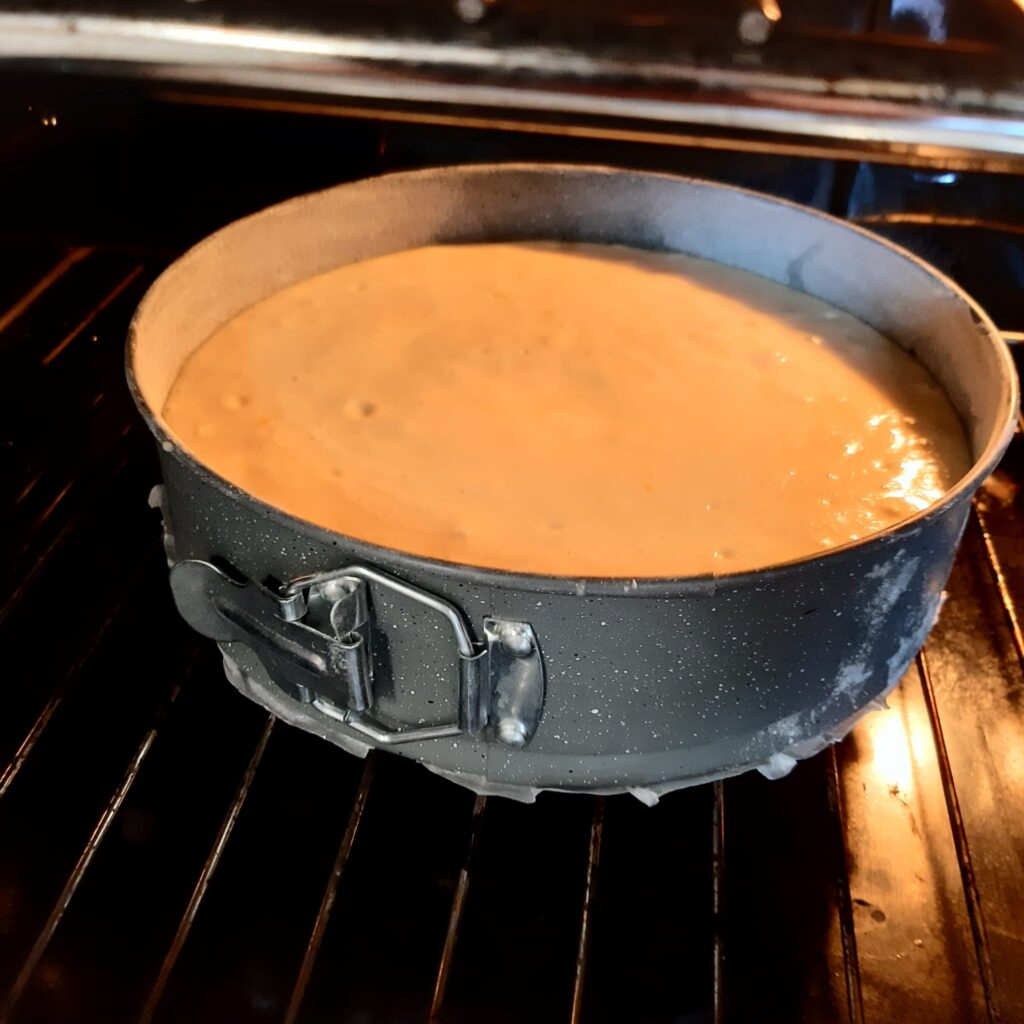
[569,409]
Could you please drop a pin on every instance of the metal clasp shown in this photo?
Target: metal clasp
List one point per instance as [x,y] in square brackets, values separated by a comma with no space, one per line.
[315,639]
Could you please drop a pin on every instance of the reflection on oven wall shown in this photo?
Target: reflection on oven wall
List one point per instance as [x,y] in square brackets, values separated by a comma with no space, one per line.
[803,180]
[96,162]
[971,226]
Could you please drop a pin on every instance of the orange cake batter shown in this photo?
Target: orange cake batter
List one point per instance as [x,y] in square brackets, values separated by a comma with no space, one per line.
[569,409]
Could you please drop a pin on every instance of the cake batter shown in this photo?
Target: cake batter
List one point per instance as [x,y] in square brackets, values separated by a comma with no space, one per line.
[569,409]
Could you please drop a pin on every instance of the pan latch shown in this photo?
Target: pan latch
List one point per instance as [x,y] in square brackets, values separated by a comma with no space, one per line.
[314,637]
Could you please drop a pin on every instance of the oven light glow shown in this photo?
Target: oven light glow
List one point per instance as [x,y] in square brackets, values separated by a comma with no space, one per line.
[930,14]
[891,757]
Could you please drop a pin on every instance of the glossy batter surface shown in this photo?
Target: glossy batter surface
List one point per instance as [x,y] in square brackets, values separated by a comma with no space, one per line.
[576,410]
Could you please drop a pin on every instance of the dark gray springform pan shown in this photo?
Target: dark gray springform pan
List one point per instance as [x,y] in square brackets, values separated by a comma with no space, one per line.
[512,683]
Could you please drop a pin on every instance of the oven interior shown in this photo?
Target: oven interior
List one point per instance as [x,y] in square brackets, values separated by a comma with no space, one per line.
[169,853]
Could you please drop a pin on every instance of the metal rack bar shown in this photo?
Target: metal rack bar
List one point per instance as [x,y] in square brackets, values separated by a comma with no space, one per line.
[40,520]
[42,559]
[848,935]
[583,950]
[458,904]
[718,901]
[28,744]
[55,502]
[100,306]
[114,804]
[331,891]
[203,883]
[975,914]
[28,488]
[996,567]
[14,311]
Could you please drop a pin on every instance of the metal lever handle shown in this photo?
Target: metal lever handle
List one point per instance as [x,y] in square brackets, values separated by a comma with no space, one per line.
[314,637]
[302,596]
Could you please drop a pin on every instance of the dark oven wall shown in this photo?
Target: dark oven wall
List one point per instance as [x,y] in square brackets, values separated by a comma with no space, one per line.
[85,161]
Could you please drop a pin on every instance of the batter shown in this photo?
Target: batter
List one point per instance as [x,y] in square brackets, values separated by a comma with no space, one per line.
[569,409]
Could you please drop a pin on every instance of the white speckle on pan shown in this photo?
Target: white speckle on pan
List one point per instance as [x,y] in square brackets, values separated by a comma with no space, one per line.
[896,573]
[851,675]
[778,766]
